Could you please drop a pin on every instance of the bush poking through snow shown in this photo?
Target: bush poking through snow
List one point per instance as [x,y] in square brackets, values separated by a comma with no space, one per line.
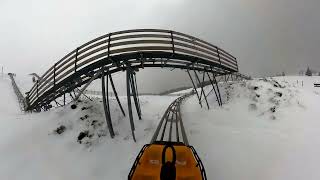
[274,101]
[85,108]
[273,109]
[60,129]
[276,84]
[73,106]
[252,107]
[84,117]
[82,135]
[278,94]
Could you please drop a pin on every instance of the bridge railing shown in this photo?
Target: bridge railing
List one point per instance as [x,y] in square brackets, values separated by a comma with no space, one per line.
[129,41]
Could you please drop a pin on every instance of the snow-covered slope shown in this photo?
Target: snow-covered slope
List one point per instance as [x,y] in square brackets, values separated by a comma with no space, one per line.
[263,131]
[31,150]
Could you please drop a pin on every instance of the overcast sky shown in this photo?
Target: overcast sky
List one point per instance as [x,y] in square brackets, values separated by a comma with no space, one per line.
[267,37]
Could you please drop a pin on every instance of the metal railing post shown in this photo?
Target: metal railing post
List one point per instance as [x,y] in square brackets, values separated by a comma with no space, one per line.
[219,56]
[37,89]
[237,64]
[54,77]
[172,42]
[75,61]
[109,36]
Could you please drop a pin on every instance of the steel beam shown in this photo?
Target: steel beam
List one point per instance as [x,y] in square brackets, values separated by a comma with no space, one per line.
[64,99]
[116,94]
[171,122]
[137,92]
[88,83]
[201,86]
[215,92]
[214,78]
[129,103]
[133,90]
[195,89]
[105,107]
[84,95]
[177,129]
[205,97]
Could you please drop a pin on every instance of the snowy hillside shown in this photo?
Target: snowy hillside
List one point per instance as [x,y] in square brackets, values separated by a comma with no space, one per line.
[31,148]
[266,129]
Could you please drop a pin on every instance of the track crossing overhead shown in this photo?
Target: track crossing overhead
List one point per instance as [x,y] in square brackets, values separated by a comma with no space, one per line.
[136,48]
[127,51]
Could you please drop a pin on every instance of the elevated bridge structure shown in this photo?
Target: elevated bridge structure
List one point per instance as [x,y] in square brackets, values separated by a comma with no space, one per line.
[128,51]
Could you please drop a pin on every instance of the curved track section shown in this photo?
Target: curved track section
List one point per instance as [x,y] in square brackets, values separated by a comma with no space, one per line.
[118,51]
[171,125]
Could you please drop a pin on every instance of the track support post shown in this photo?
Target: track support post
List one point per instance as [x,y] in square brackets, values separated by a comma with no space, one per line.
[106,102]
[214,89]
[201,86]
[116,94]
[194,88]
[134,92]
[129,101]
[215,81]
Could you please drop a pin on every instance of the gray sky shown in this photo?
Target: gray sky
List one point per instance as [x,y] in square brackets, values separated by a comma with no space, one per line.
[267,37]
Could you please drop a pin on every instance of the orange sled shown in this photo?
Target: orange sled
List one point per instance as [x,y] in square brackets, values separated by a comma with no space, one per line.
[167,161]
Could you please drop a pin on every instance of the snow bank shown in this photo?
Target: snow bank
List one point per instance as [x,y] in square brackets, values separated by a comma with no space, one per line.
[31,149]
[266,129]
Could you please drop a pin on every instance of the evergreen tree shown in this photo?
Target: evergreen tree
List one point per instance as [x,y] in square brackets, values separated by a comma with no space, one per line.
[308,72]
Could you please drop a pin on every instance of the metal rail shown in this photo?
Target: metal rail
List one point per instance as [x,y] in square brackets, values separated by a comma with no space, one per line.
[171,125]
[138,48]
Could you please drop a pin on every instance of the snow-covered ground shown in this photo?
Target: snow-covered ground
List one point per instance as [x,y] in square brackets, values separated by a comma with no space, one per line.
[31,150]
[261,132]
[264,130]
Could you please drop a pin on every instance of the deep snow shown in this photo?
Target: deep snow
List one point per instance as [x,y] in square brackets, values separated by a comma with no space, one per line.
[244,139]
